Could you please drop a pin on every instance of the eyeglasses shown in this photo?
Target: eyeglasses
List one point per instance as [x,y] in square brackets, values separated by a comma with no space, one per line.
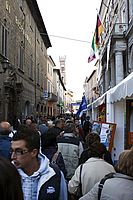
[19,152]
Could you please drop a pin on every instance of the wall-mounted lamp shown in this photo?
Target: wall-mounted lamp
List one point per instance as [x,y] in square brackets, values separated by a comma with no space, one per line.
[5,65]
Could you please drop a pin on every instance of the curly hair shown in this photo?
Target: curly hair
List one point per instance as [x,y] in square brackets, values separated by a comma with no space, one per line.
[125,163]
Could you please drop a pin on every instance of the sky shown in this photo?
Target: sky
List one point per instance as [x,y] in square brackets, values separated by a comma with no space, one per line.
[74,19]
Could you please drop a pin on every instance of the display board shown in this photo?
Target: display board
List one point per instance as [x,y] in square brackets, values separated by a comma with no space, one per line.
[106,131]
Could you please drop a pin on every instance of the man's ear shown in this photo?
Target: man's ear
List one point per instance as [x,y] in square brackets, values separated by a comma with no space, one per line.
[34,152]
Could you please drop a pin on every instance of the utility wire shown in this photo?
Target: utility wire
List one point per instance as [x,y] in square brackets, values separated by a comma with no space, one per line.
[67,38]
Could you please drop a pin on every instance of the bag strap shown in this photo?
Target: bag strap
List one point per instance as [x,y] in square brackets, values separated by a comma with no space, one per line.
[100,186]
[80,184]
[54,158]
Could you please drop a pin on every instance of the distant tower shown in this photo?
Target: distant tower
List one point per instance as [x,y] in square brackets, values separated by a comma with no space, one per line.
[62,60]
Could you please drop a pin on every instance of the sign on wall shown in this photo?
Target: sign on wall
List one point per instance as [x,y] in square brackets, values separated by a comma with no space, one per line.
[106,131]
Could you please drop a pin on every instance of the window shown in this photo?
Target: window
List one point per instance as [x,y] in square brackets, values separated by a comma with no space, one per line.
[4,41]
[31,67]
[41,80]
[48,68]
[49,86]
[38,73]
[130,10]
[123,16]
[21,56]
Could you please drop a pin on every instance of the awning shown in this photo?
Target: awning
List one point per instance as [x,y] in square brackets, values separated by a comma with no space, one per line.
[97,102]
[122,90]
[89,106]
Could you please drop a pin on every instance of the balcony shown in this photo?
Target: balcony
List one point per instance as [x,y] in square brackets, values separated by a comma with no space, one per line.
[52,97]
[117,31]
[120,29]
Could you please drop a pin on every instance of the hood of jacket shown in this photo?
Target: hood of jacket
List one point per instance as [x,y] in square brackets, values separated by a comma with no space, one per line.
[69,134]
[43,169]
[43,174]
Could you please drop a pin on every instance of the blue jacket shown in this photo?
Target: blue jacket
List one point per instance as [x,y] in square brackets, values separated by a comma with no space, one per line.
[41,184]
[5,146]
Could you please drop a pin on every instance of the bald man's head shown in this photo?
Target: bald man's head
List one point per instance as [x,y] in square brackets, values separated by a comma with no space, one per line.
[5,127]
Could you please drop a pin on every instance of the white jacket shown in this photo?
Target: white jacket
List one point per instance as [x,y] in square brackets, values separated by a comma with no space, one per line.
[118,188]
[94,169]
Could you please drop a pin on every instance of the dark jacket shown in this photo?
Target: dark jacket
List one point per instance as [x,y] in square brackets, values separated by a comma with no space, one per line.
[56,130]
[50,152]
[87,126]
[5,146]
[53,182]
[43,130]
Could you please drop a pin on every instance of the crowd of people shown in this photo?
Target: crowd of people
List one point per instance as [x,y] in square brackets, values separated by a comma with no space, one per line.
[60,159]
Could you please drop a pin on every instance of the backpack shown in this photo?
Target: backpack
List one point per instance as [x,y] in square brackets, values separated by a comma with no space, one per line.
[100,186]
[51,188]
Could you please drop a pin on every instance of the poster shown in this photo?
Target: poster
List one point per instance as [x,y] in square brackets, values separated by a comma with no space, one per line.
[106,131]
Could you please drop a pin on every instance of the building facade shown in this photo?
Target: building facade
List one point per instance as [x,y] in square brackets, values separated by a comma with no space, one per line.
[23,59]
[116,71]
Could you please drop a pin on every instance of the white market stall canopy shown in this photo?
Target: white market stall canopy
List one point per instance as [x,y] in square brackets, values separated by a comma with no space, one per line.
[99,101]
[122,90]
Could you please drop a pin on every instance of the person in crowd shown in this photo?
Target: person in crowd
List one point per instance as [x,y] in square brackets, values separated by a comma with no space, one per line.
[71,148]
[51,150]
[86,154]
[79,129]
[120,186]
[83,118]
[15,122]
[5,140]
[96,128]
[59,126]
[39,179]
[42,128]
[93,170]
[50,123]
[10,181]
[87,126]
[28,121]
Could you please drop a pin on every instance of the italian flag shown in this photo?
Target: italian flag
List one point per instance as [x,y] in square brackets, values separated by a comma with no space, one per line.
[96,39]
[93,50]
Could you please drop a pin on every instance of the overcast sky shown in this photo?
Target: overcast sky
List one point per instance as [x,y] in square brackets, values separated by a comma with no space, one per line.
[74,19]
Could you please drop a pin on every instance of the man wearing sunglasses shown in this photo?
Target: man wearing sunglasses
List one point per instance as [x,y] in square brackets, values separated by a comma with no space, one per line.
[39,180]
